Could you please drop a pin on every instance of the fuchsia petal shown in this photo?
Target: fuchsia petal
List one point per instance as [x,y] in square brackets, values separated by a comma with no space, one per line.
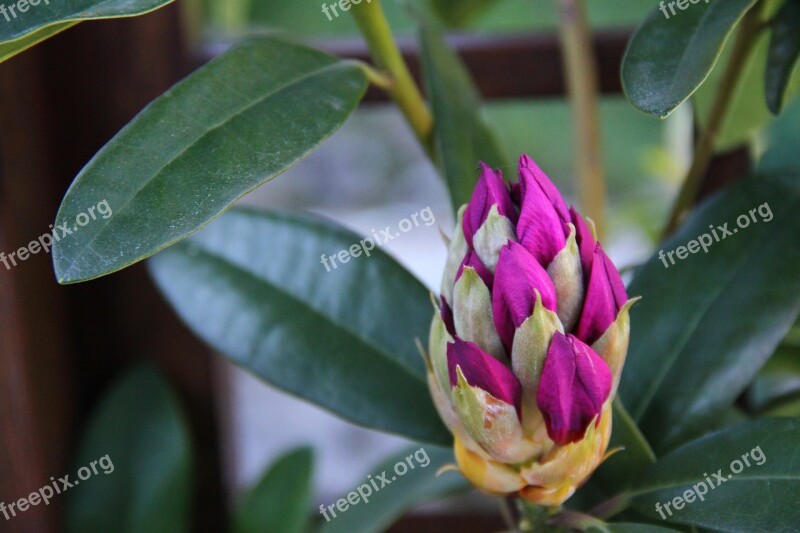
[483,371]
[447,317]
[517,278]
[489,191]
[605,295]
[532,172]
[472,260]
[575,384]
[585,241]
[541,228]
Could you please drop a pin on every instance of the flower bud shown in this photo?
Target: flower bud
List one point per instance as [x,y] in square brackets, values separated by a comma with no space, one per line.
[528,342]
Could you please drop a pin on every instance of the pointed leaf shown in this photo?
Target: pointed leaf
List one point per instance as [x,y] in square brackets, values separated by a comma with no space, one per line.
[281,501]
[759,463]
[234,124]
[140,427]
[670,56]
[253,286]
[708,323]
[38,14]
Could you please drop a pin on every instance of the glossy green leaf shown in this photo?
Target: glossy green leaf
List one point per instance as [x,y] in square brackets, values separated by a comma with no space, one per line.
[784,51]
[25,17]
[460,12]
[746,495]
[11,48]
[709,322]
[418,485]
[461,136]
[139,431]
[234,124]
[634,455]
[669,58]
[254,287]
[281,502]
[777,381]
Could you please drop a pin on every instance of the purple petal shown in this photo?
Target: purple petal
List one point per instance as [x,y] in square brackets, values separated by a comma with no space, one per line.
[541,226]
[483,371]
[575,384]
[585,241]
[472,260]
[489,191]
[605,295]
[447,317]
[517,278]
[532,173]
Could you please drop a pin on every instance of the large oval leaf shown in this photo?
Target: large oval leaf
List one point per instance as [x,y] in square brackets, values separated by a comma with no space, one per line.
[461,136]
[140,447]
[670,55]
[761,496]
[38,14]
[281,501]
[709,322]
[422,484]
[237,122]
[254,287]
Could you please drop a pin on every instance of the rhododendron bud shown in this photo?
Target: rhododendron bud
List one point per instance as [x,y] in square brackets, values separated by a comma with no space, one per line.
[528,340]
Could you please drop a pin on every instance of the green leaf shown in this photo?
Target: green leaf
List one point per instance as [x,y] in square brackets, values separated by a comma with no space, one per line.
[254,287]
[15,24]
[11,48]
[778,380]
[635,455]
[708,323]
[669,58]
[460,12]
[784,50]
[281,501]
[758,497]
[139,431]
[461,135]
[416,486]
[234,124]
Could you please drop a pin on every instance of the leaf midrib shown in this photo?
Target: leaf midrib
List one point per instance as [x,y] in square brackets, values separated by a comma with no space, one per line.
[100,229]
[214,257]
[645,401]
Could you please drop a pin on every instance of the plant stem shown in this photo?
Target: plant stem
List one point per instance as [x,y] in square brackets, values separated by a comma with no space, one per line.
[704,151]
[582,86]
[404,91]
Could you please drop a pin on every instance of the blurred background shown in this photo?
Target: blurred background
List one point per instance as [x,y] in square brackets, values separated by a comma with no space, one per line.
[63,348]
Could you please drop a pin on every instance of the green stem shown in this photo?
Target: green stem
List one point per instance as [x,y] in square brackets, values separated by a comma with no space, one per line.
[704,150]
[383,48]
[582,86]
